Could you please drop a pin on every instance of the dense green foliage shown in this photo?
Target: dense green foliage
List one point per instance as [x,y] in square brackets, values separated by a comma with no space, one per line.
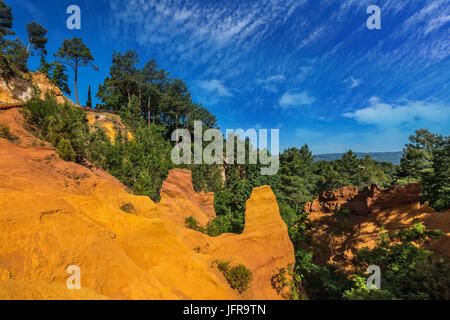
[408,270]
[59,77]
[64,126]
[427,160]
[141,164]
[6,20]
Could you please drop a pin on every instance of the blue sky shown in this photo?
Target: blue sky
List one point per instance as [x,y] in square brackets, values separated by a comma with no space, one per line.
[308,67]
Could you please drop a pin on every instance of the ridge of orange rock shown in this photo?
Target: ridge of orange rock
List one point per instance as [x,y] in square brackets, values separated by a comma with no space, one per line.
[177,193]
[371,209]
[21,89]
[55,213]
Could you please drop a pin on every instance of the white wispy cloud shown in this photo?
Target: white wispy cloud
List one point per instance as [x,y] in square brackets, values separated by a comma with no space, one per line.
[214,86]
[408,114]
[206,28]
[352,82]
[273,78]
[296,99]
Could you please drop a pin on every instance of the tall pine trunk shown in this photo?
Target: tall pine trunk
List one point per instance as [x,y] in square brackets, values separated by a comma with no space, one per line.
[148,112]
[176,127]
[76,80]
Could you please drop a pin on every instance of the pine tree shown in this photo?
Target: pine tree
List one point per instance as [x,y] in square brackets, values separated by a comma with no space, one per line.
[59,77]
[45,67]
[89,100]
[36,38]
[75,54]
[6,20]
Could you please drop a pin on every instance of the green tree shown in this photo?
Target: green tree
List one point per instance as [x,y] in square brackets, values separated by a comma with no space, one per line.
[6,20]
[60,77]
[123,80]
[36,38]
[176,103]
[132,114]
[436,183]
[297,176]
[16,55]
[89,99]
[45,67]
[418,155]
[153,80]
[75,54]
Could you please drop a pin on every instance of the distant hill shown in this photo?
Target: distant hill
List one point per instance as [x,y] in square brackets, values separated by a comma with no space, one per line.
[393,157]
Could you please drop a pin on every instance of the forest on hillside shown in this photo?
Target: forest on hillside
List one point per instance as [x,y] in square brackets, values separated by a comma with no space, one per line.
[153,104]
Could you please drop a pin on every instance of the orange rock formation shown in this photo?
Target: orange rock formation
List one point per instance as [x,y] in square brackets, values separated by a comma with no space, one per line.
[335,239]
[21,90]
[55,213]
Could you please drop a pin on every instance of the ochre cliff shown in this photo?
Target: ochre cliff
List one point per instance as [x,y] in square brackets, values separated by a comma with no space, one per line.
[22,89]
[335,238]
[110,123]
[55,213]
[181,201]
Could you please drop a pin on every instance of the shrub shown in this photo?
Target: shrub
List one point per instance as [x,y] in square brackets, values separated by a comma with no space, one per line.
[193,224]
[128,208]
[5,133]
[239,277]
[224,266]
[57,122]
[65,150]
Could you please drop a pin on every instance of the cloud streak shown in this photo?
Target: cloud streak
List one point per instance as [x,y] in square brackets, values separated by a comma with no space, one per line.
[295,100]
[409,114]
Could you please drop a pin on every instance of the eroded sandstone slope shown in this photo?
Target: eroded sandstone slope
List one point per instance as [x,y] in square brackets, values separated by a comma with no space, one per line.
[335,237]
[31,83]
[55,213]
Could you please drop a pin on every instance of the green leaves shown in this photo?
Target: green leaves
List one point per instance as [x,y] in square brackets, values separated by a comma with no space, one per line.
[427,160]
[75,54]
[36,37]
[408,270]
[6,20]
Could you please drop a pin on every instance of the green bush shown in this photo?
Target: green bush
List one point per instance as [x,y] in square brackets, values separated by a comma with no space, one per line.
[193,224]
[239,277]
[54,123]
[128,208]
[65,150]
[6,133]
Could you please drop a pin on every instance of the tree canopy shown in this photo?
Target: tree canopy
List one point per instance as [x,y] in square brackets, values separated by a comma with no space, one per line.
[36,38]
[75,54]
[6,20]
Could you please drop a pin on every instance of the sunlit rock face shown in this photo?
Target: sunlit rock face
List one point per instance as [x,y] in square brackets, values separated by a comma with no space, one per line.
[54,214]
[27,86]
